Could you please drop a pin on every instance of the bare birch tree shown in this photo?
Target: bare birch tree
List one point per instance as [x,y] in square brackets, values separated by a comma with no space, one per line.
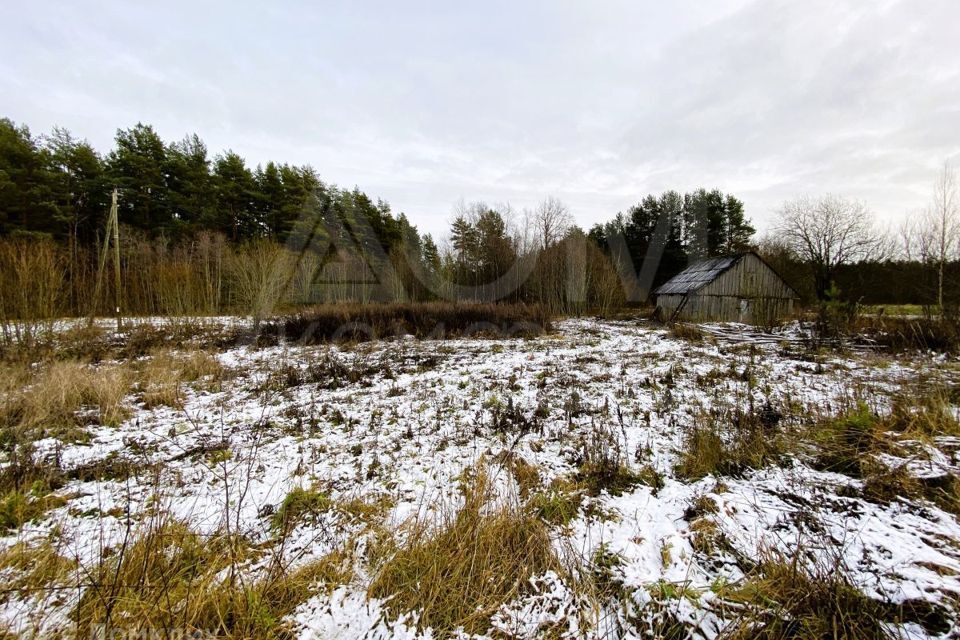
[930,236]
[942,223]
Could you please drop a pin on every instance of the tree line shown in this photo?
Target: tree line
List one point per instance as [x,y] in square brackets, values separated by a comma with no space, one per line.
[59,186]
[194,223]
[180,206]
[205,233]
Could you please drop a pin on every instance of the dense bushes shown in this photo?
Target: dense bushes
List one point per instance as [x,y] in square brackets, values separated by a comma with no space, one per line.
[925,333]
[423,320]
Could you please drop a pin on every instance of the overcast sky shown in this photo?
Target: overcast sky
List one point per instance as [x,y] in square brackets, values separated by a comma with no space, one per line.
[596,102]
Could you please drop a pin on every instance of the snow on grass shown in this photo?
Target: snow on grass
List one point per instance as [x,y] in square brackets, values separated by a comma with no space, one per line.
[412,416]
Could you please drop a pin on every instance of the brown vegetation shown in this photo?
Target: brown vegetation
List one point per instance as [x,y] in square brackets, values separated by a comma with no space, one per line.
[458,574]
[164,374]
[357,322]
[52,397]
[788,597]
[169,577]
[729,442]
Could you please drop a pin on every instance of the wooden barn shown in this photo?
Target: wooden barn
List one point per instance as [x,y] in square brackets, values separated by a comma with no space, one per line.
[738,288]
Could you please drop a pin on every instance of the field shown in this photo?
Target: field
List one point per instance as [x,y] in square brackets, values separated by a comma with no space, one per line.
[608,479]
[901,310]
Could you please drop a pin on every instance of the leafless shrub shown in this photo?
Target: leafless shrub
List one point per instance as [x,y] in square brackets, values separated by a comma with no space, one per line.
[259,273]
[31,287]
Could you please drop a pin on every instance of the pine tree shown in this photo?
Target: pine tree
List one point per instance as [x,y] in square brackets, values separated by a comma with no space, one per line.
[192,201]
[463,237]
[236,198]
[137,166]
[430,255]
[271,199]
[26,203]
[495,250]
[300,185]
[78,186]
[739,230]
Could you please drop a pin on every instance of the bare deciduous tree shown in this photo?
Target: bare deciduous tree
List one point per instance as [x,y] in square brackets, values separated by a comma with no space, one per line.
[942,222]
[828,232]
[551,220]
[932,236]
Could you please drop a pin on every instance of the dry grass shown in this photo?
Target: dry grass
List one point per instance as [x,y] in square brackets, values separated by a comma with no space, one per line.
[559,503]
[170,577]
[458,574]
[704,453]
[602,465]
[526,475]
[688,332]
[931,333]
[924,411]
[883,485]
[788,597]
[730,442]
[93,344]
[26,566]
[26,474]
[848,443]
[854,442]
[704,536]
[164,375]
[785,599]
[299,505]
[61,398]
[184,334]
[161,580]
[18,506]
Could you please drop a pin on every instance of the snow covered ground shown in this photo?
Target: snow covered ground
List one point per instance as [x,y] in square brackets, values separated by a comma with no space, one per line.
[402,420]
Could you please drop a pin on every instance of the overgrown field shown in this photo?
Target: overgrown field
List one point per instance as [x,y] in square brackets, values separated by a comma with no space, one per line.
[604,480]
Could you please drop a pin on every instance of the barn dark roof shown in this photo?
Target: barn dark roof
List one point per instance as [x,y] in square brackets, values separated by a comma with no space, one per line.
[698,275]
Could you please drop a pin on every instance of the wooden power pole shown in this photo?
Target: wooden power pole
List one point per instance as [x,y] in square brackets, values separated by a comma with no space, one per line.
[112,236]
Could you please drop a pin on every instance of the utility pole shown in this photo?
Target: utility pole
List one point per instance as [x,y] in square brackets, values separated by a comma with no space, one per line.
[112,235]
[116,255]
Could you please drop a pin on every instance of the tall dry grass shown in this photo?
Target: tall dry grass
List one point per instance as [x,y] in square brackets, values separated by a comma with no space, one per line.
[169,577]
[163,376]
[796,597]
[458,572]
[59,398]
[729,441]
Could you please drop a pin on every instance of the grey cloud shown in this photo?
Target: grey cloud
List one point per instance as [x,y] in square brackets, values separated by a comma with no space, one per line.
[423,103]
